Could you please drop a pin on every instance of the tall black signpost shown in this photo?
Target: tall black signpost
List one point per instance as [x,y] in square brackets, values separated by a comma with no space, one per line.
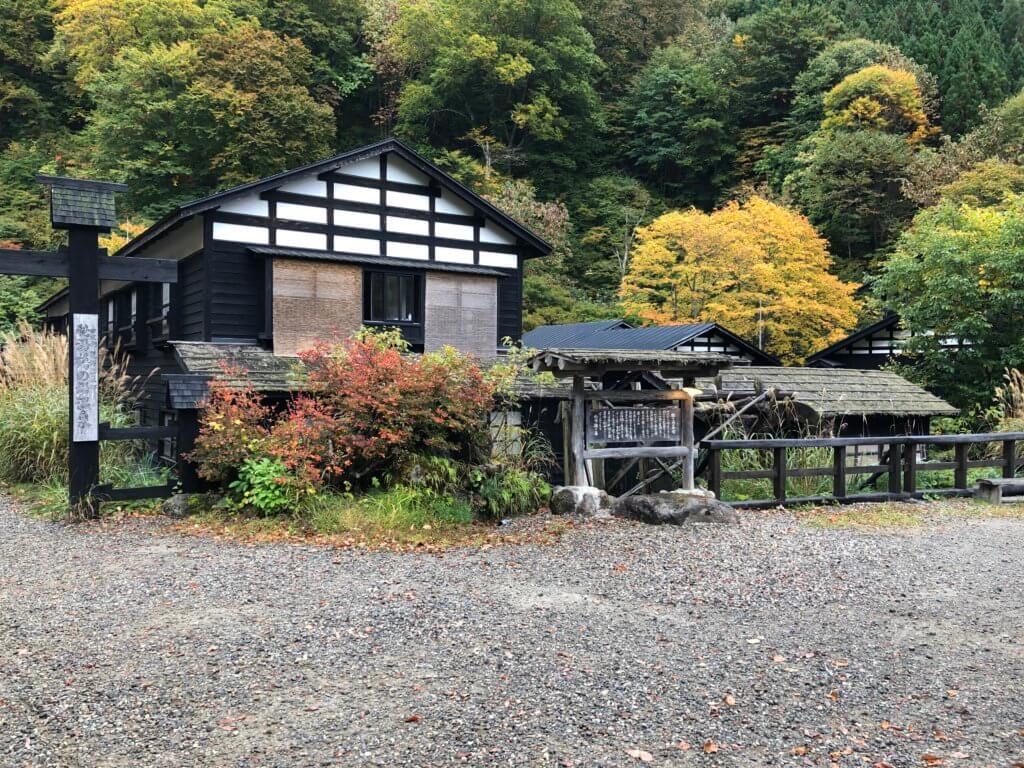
[85,209]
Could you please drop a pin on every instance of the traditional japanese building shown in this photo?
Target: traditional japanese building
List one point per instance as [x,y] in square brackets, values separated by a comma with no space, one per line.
[873,346]
[376,236]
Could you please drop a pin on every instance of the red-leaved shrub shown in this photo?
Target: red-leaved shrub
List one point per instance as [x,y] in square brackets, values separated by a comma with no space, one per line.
[234,427]
[367,407]
[384,403]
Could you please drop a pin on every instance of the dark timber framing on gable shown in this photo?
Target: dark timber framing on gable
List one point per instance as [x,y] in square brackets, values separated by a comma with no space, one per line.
[871,347]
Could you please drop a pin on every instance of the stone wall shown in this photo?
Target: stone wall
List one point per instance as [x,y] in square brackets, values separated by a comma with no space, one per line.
[313,301]
[461,311]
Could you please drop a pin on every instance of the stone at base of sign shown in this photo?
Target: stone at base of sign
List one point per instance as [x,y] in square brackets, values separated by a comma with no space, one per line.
[580,500]
[675,508]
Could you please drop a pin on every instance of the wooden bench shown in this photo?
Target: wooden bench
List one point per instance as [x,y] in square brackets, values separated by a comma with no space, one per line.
[1000,490]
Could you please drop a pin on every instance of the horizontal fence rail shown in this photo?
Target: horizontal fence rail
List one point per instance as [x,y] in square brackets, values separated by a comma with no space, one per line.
[898,464]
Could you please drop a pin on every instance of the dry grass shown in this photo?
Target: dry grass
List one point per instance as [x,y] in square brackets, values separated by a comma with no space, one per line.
[34,358]
[896,516]
[429,538]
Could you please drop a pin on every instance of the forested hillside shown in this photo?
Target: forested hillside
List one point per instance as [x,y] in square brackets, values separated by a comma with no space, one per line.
[787,168]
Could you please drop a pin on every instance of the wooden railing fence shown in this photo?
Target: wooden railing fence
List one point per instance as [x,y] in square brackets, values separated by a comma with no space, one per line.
[898,465]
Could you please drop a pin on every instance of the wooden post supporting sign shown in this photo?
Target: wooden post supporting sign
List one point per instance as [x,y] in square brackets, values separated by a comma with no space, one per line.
[85,209]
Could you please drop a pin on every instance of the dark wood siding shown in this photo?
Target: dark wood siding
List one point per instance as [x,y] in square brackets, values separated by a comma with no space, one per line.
[510,306]
[235,283]
[192,290]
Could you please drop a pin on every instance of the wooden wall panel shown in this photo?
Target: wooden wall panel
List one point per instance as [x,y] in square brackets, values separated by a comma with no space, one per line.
[461,311]
[314,301]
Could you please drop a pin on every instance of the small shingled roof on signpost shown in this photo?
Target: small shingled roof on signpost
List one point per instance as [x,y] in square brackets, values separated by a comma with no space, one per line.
[81,202]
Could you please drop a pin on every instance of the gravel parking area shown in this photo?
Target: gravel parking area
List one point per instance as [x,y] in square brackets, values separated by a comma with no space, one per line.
[764,644]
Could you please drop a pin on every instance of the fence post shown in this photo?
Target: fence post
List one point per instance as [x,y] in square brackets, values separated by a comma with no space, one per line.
[839,471]
[715,472]
[910,459]
[895,465]
[1009,458]
[779,473]
[960,472]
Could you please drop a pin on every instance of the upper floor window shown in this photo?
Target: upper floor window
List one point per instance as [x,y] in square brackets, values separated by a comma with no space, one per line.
[109,329]
[159,323]
[126,330]
[393,297]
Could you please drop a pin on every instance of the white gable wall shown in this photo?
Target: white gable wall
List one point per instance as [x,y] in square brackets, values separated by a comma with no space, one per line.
[466,242]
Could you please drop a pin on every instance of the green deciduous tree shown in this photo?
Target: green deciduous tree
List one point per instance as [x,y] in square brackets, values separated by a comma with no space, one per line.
[26,90]
[519,72]
[959,272]
[178,121]
[606,214]
[678,127]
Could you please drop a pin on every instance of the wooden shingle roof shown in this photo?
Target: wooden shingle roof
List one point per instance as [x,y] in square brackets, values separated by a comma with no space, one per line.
[82,203]
[836,391]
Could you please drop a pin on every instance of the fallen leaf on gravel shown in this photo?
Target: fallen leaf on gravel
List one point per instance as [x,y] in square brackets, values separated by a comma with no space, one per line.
[841,663]
[931,759]
[730,700]
[799,751]
[710,747]
[683,746]
[412,719]
[959,755]
[641,755]
[778,658]
[882,764]
[834,695]
[940,736]
[952,693]
[620,568]
[884,725]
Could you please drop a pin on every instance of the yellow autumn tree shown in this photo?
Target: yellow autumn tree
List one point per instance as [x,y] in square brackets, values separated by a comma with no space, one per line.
[888,100]
[757,268]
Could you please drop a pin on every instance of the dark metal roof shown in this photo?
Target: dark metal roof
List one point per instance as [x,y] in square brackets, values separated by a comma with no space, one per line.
[361,153]
[81,202]
[567,334]
[835,392]
[382,261]
[654,337]
[618,334]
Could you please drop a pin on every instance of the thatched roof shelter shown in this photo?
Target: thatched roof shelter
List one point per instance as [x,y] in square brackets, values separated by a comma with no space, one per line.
[834,393]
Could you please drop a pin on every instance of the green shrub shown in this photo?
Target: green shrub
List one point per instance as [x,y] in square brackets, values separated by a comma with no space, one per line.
[504,491]
[385,512]
[267,486]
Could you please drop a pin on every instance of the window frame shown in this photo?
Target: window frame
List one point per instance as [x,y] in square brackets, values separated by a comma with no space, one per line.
[418,286]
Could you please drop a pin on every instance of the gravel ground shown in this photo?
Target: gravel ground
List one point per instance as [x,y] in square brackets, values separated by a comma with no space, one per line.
[758,645]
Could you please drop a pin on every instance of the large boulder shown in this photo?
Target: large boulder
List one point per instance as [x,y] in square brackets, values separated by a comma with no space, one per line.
[580,500]
[675,508]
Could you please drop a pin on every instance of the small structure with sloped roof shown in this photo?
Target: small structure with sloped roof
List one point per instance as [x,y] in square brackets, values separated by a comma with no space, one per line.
[619,334]
[844,402]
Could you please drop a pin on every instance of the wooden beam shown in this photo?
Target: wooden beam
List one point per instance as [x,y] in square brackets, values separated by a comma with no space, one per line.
[107,432]
[38,263]
[58,264]
[579,439]
[639,451]
[136,270]
[108,493]
[637,396]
